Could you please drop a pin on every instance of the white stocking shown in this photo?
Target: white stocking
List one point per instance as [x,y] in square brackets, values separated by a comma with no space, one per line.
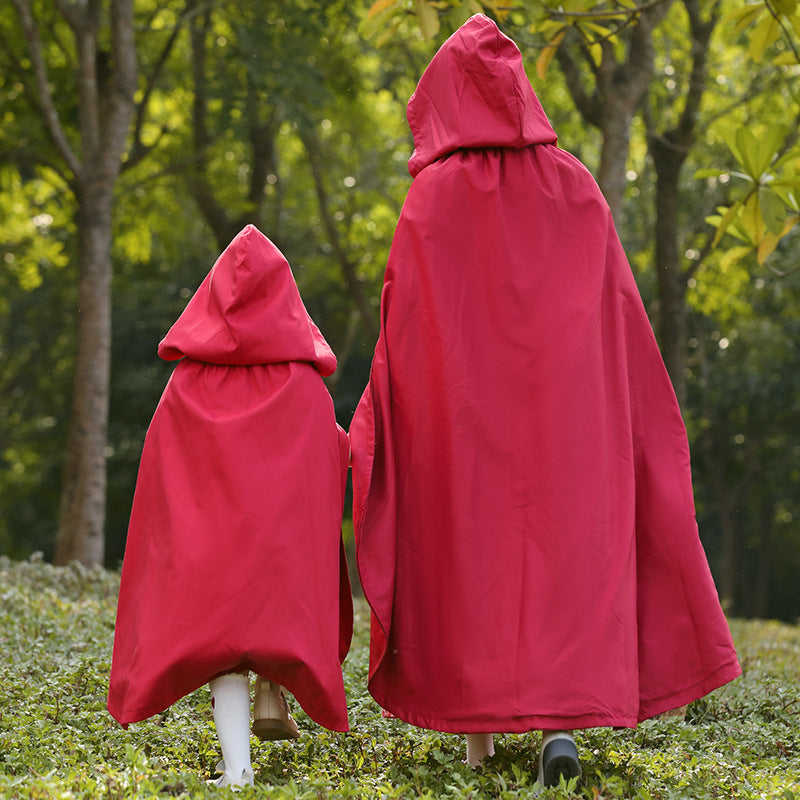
[479,745]
[230,703]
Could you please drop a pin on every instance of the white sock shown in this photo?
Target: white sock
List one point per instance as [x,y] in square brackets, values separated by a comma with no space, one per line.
[230,703]
[479,745]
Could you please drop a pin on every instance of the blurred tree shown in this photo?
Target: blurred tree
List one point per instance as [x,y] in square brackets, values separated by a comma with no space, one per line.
[765,145]
[744,388]
[286,109]
[36,297]
[86,131]
[70,74]
[681,89]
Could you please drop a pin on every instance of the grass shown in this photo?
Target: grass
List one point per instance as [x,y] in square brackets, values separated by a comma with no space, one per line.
[58,741]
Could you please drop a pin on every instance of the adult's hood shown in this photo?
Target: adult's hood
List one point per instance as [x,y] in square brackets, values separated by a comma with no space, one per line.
[474,93]
[248,311]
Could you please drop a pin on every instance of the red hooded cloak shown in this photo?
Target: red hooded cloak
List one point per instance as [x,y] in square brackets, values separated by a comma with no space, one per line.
[234,556]
[523,504]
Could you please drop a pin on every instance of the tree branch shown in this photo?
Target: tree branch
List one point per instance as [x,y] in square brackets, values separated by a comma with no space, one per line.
[588,105]
[44,97]
[701,34]
[625,12]
[138,149]
[123,82]
[215,215]
[787,34]
[262,141]
[72,14]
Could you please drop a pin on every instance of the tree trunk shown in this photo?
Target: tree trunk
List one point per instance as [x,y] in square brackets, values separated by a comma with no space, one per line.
[618,91]
[612,173]
[81,529]
[669,151]
[671,280]
[106,108]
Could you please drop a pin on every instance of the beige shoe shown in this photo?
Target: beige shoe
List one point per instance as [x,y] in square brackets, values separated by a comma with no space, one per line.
[271,717]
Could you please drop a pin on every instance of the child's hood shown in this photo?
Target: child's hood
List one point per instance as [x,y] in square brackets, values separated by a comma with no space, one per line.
[248,311]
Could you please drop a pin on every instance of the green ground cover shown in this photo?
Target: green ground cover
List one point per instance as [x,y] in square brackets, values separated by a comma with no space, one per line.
[58,741]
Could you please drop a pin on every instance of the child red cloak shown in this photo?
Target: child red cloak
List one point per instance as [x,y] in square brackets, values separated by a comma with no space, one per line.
[523,506]
[234,555]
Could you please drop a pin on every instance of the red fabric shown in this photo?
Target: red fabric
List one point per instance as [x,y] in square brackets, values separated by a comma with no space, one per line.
[234,556]
[522,492]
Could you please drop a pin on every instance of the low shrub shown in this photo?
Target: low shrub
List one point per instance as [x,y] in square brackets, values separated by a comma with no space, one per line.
[58,741]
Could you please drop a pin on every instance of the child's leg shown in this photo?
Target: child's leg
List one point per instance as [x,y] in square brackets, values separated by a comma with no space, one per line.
[271,717]
[230,703]
[479,745]
[558,757]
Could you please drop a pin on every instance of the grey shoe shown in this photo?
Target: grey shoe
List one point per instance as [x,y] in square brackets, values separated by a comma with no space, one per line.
[558,758]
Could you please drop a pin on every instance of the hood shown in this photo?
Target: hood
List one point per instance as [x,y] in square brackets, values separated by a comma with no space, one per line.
[474,93]
[248,311]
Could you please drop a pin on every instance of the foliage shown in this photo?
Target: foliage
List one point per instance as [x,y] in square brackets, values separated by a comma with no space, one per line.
[763,145]
[744,384]
[57,740]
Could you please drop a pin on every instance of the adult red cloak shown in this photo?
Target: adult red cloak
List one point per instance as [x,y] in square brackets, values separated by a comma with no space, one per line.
[234,555]
[523,503]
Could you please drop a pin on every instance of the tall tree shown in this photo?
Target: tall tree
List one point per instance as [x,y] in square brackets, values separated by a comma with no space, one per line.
[102,45]
[76,64]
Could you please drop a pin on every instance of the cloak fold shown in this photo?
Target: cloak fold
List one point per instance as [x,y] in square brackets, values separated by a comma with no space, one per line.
[234,557]
[522,502]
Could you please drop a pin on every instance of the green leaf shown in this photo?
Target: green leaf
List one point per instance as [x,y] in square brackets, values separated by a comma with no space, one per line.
[773,138]
[732,255]
[729,136]
[773,211]
[709,173]
[787,59]
[751,218]
[602,31]
[770,241]
[743,16]
[428,19]
[756,152]
[785,7]
[795,20]
[763,35]
[724,222]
